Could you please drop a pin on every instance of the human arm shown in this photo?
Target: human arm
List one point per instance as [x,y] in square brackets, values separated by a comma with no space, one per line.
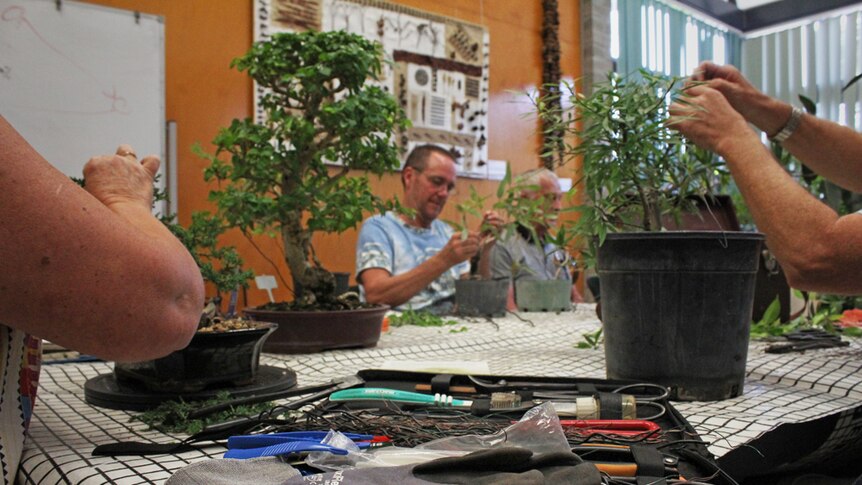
[818,250]
[381,286]
[831,150]
[101,276]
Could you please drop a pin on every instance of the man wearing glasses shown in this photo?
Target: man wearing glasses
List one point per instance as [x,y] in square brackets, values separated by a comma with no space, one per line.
[411,261]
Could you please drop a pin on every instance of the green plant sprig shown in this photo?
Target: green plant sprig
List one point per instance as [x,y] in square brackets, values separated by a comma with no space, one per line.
[173,416]
[419,319]
[591,340]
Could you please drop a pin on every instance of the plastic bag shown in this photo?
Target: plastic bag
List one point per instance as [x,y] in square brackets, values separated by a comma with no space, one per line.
[538,430]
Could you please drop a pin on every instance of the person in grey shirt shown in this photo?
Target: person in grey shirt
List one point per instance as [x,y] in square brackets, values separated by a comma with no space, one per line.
[519,254]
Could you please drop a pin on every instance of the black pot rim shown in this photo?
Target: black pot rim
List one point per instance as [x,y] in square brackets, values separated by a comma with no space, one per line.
[686,235]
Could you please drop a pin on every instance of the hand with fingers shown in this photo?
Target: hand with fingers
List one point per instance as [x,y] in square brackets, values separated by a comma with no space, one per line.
[461,247]
[121,178]
[490,228]
[705,116]
[756,107]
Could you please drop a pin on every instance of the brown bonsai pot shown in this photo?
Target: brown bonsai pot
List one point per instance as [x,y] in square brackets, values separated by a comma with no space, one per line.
[301,331]
[211,359]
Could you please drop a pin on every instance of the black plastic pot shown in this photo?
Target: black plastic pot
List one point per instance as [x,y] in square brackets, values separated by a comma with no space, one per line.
[481,298]
[676,309]
[211,359]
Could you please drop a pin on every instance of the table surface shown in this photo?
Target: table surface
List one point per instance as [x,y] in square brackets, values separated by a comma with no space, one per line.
[779,389]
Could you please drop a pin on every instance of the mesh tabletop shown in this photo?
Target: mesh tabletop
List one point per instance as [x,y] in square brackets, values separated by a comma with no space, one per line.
[780,389]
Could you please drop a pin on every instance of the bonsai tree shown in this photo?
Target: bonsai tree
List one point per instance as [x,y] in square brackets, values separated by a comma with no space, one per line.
[318,109]
[635,173]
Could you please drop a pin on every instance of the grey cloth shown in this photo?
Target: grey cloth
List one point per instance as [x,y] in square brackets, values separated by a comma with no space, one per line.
[256,471]
[519,258]
[510,466]
[496,466]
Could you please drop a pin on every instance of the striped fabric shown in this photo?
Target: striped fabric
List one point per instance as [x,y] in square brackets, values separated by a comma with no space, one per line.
[20,356]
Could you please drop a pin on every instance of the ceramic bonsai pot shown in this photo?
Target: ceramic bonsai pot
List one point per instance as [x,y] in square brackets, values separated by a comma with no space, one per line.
[543,295]
[481,298]
[301,332]
[212,359]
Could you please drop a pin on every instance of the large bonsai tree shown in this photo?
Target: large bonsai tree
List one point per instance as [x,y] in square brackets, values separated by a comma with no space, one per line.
[318,109]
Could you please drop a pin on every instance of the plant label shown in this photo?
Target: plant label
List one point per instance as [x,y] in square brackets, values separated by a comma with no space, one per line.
[266,282]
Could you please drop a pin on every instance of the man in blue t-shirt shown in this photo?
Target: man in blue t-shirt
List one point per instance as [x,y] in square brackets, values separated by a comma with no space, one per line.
[412,261]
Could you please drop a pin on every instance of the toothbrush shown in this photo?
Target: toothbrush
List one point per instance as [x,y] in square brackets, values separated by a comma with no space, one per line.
[586,407]
[376,393]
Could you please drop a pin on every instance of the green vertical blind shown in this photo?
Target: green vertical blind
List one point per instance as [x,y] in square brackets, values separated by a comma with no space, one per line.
[665,39]
[816,59]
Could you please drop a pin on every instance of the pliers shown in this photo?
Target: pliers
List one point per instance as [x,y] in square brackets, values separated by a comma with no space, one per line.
[273,444]
[807,339]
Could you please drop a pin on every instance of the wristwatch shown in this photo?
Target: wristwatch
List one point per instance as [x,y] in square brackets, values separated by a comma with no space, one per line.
[791,126]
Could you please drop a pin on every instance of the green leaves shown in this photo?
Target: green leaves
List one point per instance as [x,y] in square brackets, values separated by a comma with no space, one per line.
[318,110]
[419,318]
[636,173]
[220,265]
[591,340]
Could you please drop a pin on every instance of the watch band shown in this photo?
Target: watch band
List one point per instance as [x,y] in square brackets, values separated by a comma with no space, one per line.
[790,127]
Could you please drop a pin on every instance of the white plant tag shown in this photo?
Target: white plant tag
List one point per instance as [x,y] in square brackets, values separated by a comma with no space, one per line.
[266,282]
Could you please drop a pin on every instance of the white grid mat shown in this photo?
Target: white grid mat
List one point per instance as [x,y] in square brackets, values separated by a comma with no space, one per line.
[780,388]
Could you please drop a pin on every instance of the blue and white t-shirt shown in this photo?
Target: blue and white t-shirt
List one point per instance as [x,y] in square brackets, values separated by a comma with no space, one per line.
[389,243]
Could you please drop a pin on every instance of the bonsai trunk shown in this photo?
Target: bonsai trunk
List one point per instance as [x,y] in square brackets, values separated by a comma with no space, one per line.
[318,284]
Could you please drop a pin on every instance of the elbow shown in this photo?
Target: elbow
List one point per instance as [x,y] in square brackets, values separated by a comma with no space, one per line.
[172,324]
[816,269]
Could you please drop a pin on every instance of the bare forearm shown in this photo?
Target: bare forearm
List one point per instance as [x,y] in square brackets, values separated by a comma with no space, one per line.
[396,289]
[805,235]
[831,150]
[81,275]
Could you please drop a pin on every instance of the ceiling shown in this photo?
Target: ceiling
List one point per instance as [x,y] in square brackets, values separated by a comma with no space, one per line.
[751,15]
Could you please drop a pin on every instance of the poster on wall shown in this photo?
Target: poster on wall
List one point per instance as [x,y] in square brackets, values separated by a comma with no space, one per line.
[437,66]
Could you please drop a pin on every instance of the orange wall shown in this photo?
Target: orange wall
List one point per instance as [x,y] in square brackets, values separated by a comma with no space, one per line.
[203,94]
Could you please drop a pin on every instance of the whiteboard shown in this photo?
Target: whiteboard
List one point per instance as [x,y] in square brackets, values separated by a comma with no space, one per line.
[77,80]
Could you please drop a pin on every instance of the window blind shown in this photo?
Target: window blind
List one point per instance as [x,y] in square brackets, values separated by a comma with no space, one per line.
[816,59]
[664,38]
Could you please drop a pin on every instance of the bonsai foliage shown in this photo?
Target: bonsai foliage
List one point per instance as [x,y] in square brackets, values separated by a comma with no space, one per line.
[317,109]
[636,173]
[220,265]
[517,211]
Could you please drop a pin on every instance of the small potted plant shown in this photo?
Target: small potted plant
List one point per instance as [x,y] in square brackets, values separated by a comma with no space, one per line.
[553,294]
[276,176]
[676,305]
[485,293]
[480,294]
